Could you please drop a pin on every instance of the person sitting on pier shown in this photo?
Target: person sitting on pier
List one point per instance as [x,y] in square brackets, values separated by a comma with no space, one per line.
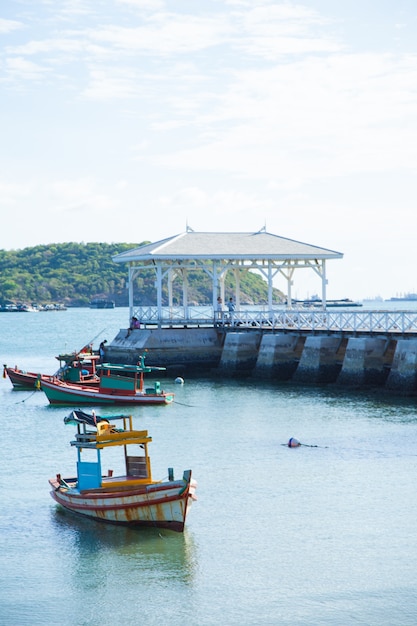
[134,323]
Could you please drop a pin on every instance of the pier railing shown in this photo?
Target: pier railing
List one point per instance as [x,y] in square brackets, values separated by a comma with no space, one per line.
[348,321]
[283,319]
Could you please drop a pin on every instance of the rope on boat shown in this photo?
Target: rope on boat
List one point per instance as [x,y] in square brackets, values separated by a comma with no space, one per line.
[154,524]
[183,404]
[27,398]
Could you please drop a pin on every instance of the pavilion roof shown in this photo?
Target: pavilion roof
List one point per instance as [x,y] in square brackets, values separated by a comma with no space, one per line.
[226,245]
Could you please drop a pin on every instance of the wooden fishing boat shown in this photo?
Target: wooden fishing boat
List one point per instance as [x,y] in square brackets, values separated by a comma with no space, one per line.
[118,384]
[132,498]
[21,379]
[77,368]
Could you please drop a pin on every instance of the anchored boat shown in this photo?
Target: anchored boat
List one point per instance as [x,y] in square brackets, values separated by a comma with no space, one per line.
[132,498]
[118,384]
[77,368]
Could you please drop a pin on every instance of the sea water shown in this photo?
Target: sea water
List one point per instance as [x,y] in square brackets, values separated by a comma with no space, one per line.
[320,534]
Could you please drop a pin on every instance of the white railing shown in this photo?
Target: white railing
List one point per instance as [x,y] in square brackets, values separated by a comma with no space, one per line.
[348,321]
[283,319]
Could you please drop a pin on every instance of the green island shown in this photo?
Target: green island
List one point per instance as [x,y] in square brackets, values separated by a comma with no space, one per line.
[74,274]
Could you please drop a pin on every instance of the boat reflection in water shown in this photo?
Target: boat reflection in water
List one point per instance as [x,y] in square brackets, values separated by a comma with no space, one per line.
[149,555]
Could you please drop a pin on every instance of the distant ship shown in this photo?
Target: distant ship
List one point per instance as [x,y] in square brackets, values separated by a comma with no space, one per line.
[407,297]
[102,304]
[315,301]
[374,299]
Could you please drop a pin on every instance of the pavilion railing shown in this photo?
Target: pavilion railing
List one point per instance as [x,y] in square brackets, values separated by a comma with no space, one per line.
[283,319]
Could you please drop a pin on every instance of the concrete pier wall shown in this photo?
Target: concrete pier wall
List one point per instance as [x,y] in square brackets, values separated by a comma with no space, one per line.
[403,373]
[321,360]
[240,352]
[177,349]
[364,361]
[279,355]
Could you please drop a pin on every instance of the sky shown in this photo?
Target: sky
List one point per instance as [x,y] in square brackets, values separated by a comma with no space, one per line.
[129,120]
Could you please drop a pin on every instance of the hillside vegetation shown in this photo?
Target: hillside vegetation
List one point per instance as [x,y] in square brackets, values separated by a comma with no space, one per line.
[73,274]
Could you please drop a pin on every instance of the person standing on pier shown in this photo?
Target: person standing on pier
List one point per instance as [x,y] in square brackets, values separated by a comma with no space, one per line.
[219,308]
[231,307]
[101,350]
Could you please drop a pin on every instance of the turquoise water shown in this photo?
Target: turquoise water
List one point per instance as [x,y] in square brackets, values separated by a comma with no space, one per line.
[305,536]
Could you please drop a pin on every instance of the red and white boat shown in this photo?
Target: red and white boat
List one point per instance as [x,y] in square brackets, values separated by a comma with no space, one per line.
[131,497]
[77,368]
[21,379]
[118,384]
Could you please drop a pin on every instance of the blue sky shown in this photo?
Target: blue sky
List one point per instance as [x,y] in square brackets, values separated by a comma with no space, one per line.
[125,120]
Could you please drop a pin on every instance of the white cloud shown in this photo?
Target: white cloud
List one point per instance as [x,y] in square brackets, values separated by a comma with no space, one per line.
[73,196]
[143,5]
[19,68]
[8,26]
[11,193]
[216,205]
[309,120]
[110,83]
[71,9]
[276,31]
[65,45]
[166,34]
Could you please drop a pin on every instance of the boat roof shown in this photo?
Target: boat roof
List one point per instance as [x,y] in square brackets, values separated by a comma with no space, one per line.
[134,369]
[79,417]
[107,437]
[78,356]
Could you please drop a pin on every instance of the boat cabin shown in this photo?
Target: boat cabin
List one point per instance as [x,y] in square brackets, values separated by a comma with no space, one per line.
[134,443]
[126,379]
[77,367]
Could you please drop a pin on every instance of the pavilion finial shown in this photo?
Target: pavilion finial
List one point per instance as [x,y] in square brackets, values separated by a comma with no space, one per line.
[261,230]
[188,228]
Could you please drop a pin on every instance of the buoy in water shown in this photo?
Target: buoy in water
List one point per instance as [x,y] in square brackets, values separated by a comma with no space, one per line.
[179,380]
[293,443]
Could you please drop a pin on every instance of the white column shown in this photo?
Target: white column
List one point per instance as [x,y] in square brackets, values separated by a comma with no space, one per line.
[270,287]
[185,292]
[170,281]
[131,276]
[215,286]
[289,294]
[237,291]
[159,291]
[323,283]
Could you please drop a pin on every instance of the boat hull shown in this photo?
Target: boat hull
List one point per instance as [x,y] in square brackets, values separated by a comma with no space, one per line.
[32,380]
[65,394]
[22,380]
[160,505]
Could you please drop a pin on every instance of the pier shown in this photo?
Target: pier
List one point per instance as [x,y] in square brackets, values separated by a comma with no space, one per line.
[353,349]
[280,340]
